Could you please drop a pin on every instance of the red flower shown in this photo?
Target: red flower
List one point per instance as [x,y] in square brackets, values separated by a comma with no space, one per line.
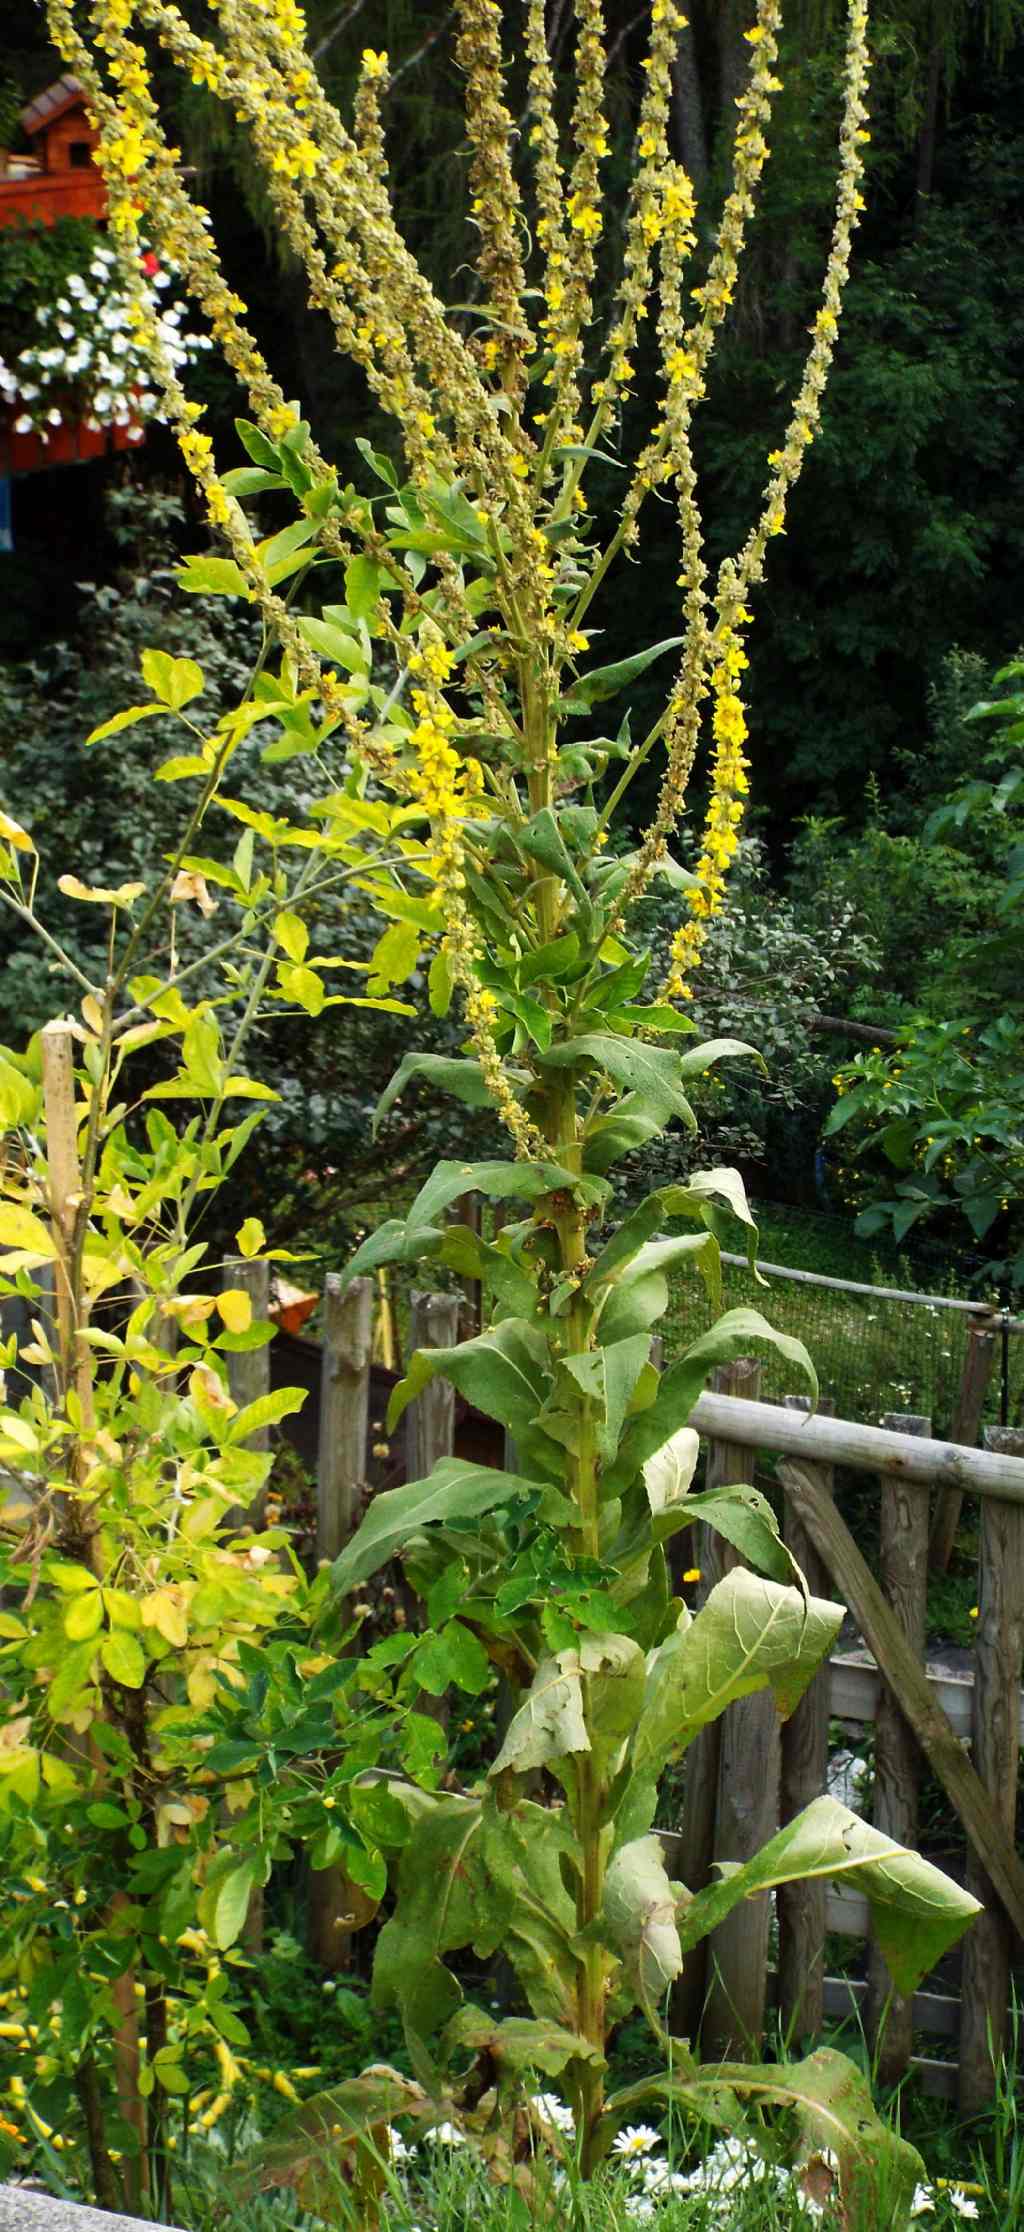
[150,265]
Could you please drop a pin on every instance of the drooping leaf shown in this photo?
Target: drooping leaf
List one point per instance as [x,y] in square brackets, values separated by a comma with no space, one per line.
[501,1372]
[751,1634]
[639,1915]
[449,1074]
[606,682]
[455,1490]
[740,1332]
[337,2138]
[550,1722]
[917,1913]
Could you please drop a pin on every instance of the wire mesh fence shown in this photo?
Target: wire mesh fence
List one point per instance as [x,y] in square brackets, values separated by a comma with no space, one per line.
[880,1339]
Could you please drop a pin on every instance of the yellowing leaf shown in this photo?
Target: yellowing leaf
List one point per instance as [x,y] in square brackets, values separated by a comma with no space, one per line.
[20,1229]
[291,932]
[18,1096]
[235,1307]
[174,681]
[303,986]
[124,1658]
[100,895]
[164,1611]
[84,1616]
[13,834]
[250,1237]
[119,721]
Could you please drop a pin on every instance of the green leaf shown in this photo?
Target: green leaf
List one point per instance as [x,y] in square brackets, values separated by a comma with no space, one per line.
[502,1372]
[232,1905]
[639,1915]
[739,1333]
[608,1376]
[542,841]
[19,1097]
[174,681]
[746,1519]
[449,1074]
[257,446]
[530,1855]
[514,2046]
[606,682]
[439,984]
[699,1200]
[750,1635]
[455,1489]
[124,1658]
[652,1072]
[363,583]
[212,577]
[293,934]
[917,1913]
[441,1905]
[336,2139]
[267,1410]
[499,1180]
[333,643]
[550,1723]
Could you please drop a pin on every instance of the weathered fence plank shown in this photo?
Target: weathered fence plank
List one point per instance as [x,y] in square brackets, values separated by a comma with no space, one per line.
[803,1774]
[884,1636]
[430,1420]
[344,1409]
[965,1427]
[999,1644]
[341,1482]
[903,1566]
[835,1441]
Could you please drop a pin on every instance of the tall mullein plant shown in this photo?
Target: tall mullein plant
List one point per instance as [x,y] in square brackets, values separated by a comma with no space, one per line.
[454,646]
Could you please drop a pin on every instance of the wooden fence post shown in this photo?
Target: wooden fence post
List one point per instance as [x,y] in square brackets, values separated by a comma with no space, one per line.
[803,1776]
[970,1402]
[904,1576]
[999,1643]
[249,1369]
[731,1790]
[468,1210]
[344,1410]
[430,1420]
[341,1479]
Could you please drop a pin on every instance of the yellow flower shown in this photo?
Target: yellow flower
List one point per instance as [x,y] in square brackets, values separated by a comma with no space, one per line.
[376,65]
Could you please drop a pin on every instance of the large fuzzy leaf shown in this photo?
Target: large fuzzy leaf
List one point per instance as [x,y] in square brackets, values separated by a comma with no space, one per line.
[917,1913]
[464,1078]
[829,2106]
[650,1071]
[454,1490]
[750,1635]
[530,1853]
[515,2046]
[608,1377]
[500,1181]
[550,1723]
[502,1372]
[338,2139]
[443,1902]
[700,1200]
[739,1333]
[639,1915]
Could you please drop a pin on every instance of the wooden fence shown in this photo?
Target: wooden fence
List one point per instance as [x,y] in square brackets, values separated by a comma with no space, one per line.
[747,1775]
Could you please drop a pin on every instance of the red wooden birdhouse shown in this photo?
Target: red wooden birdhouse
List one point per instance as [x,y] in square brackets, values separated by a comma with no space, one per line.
[59,178]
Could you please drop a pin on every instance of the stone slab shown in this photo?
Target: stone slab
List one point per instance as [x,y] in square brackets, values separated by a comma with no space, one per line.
[21,2211]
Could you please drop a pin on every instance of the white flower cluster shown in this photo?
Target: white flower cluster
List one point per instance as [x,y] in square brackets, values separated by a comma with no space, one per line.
[722,2184]
[84,365]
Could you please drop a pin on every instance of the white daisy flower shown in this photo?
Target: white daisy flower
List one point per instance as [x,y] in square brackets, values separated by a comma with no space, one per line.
[635,2139]
[962,2203]
[923,2202]
[445,2135]
[639,2208]
[552,2110]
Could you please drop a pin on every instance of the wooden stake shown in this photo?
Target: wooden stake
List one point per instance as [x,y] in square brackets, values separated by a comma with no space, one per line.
[804,1773]
[904,1575]
[430,1420]
[970,1403]
[344,1410]
[999,1645]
